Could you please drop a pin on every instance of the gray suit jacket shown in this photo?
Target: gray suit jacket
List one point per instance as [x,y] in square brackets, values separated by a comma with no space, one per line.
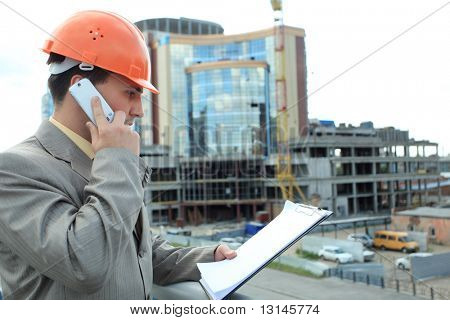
[73,228]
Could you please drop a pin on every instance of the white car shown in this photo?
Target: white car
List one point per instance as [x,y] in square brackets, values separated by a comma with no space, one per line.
[360,237]
[368,255]
[335,254]
[404,263]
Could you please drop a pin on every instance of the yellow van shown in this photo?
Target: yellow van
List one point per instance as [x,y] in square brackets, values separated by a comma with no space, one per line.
[394,240]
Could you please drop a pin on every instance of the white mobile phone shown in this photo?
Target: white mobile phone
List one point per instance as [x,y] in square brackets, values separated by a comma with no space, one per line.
[83,91]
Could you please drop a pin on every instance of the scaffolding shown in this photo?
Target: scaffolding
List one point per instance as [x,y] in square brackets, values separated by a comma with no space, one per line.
[235,187]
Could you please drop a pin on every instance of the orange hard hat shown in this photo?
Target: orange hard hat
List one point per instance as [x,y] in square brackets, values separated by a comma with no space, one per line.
[106,40]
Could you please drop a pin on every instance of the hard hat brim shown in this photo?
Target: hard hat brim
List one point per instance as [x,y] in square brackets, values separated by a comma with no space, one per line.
[145,84]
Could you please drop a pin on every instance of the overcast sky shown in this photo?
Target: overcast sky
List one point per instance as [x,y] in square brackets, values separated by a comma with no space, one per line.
[405,84]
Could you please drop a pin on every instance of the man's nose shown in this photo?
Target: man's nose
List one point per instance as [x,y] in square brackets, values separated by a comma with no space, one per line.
[137,109]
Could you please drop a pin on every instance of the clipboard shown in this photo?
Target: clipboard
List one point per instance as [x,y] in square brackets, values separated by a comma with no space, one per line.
[317,215]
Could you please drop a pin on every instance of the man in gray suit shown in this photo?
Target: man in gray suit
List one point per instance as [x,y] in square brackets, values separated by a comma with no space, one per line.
[72,220]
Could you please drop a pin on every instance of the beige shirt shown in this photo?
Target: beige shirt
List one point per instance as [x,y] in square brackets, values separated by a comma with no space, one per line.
[80,142]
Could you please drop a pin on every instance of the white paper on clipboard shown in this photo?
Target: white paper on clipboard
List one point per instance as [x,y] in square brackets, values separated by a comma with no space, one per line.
[220,278]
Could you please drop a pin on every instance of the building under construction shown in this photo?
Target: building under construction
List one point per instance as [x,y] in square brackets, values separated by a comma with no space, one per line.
[350,170]
[212,136]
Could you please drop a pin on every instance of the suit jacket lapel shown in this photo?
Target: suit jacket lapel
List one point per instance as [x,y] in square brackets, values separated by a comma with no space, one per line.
[61,147]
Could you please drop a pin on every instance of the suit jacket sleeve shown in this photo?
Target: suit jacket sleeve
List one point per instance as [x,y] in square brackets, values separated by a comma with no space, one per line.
[77,246]
[172,265]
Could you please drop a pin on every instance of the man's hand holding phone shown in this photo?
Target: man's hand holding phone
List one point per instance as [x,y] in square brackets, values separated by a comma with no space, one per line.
[111,135]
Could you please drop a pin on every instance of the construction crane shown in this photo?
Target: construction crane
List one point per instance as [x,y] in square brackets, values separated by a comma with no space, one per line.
[286,179]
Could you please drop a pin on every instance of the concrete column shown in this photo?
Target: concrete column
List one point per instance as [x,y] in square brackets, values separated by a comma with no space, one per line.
[419,185]
[333,197]
[408,194]
[439,191]
[190,27]
[355,203]
[375,197]
[391,192]
[426,190]
[167,25]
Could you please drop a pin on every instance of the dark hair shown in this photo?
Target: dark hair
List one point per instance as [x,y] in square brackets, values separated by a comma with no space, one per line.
[60,83]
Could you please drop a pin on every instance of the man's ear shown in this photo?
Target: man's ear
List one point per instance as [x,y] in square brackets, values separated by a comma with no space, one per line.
[75,79]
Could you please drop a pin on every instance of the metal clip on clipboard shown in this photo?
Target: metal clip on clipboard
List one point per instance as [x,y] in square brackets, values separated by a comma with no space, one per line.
[310,210]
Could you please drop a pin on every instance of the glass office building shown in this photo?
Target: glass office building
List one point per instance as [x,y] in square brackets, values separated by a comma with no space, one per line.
[218,92]
[227,110]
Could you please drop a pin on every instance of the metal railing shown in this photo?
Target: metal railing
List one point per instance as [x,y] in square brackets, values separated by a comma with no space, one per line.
[415,288]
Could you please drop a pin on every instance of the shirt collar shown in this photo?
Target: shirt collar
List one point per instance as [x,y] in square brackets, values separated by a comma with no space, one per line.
[80,142]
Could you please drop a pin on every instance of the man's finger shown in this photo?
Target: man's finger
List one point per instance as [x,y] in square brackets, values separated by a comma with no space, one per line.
[93,130]
[97,110]
[119,117]
[229,254]
[224,252]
